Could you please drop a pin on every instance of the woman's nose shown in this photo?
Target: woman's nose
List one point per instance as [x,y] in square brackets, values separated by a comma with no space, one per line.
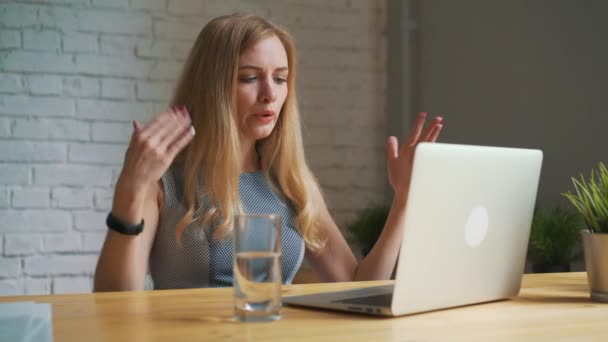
[267,92]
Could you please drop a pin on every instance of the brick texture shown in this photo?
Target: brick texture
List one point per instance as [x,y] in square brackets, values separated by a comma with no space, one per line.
[75,73]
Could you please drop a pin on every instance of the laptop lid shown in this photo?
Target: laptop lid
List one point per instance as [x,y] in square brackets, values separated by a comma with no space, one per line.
[467,226]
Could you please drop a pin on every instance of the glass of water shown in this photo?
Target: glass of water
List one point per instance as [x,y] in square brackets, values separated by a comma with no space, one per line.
[257,267]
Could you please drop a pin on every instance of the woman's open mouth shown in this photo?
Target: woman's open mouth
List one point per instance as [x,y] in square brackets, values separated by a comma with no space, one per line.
[265,116]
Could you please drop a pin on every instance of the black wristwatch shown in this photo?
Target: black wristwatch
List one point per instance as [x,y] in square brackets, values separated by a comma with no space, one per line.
[123,228]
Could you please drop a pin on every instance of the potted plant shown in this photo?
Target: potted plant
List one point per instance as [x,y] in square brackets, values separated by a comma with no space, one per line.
[590,198]
[553,238]
[366,228]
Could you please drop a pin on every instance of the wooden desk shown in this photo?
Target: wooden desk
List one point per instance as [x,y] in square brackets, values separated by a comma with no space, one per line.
[550,307]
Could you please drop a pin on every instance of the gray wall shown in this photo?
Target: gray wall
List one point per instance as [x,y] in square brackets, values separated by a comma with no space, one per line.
[519,73]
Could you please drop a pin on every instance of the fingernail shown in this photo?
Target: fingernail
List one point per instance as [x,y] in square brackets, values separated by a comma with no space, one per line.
[440,118]
[192,131]
[178,110]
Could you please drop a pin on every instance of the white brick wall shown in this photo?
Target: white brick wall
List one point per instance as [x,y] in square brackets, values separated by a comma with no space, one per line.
[37,286]
[41,40]
[9,83]
[10,267]
[11,286]
[81,86]
[51,129]
[82,175]
[20,105]
[15,174]
[43,84]
[34,220]
[60,264]
[4,198]
[10,39]
[31,198]
[74,73]
[80,42]
[22,244]
[72,284]
[72,198]
[117,89]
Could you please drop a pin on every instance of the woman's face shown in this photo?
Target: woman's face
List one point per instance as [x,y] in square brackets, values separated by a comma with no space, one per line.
[261,88]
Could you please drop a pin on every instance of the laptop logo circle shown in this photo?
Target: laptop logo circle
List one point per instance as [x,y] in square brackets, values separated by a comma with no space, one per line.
[476,227]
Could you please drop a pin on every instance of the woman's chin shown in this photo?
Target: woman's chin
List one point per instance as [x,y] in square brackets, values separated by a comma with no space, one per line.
[262,132]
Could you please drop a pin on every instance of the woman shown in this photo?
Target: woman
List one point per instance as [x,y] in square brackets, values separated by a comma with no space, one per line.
[181,190]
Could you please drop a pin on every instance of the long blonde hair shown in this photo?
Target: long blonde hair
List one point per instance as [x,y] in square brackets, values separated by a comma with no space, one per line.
[207,87]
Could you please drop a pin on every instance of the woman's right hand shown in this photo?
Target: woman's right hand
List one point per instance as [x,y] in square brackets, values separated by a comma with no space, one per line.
[124,259]
[153,148]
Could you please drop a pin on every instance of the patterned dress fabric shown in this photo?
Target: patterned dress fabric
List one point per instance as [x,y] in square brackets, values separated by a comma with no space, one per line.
[203,261]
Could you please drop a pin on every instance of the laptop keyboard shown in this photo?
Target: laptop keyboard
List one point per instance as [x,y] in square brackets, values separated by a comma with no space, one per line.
[376,300]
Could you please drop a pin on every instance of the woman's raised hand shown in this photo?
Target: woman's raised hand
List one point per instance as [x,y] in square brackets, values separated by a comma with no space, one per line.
[153,148]
[400,160]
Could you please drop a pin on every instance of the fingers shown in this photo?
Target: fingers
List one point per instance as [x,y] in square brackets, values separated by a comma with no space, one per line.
[417,129]
[392,146]
[428,131]
[136,128]
[434,134]
[158,128]
[431,128]
[153,125]
[174,130]
[185,137]
[166,135]
[165,128]
[420,133]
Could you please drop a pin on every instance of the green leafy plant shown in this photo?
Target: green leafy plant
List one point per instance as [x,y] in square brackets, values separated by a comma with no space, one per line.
[590,198]
[366,228]
[553,237]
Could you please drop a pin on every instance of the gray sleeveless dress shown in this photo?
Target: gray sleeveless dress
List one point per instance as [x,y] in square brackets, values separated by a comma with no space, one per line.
[203,261]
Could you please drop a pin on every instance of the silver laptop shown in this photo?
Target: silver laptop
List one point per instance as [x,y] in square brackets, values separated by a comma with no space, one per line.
[466,233]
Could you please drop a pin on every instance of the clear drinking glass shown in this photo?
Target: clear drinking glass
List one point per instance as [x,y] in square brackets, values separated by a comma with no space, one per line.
[257,267]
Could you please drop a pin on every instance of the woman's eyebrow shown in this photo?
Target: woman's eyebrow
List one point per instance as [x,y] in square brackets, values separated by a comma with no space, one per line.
[258,68]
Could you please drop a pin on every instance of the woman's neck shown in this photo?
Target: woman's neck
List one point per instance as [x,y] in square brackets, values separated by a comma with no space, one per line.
[249,159]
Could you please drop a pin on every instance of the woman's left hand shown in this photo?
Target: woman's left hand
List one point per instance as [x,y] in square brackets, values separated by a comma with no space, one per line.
[400,160]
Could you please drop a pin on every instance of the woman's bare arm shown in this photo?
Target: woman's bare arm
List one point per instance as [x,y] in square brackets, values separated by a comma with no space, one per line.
[123,262]
[336,261]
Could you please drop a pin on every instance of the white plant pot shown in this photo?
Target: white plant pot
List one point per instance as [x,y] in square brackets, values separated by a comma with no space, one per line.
[595,246]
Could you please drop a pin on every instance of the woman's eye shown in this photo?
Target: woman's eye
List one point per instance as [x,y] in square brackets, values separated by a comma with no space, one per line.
[280,79]
[247,79]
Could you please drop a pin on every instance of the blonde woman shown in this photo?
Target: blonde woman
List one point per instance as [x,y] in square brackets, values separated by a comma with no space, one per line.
[178,191]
